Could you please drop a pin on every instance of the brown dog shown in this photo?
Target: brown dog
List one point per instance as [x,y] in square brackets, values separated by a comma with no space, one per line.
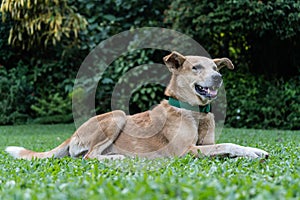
[182,125]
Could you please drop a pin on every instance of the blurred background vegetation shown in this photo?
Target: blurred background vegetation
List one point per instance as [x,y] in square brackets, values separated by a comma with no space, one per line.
[43,43]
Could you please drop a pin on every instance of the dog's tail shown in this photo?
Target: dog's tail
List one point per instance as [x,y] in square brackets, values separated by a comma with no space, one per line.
[58,152]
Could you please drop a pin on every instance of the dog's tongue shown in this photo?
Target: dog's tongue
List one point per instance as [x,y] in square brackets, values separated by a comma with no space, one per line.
[212,92]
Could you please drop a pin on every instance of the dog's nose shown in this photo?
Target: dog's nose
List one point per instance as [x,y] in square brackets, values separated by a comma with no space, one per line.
[217,79]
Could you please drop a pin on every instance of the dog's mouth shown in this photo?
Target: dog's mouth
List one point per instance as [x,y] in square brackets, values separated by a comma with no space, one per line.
[207,92]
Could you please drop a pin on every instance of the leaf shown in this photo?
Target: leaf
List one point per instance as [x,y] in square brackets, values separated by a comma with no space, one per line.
[90,5]
[109,17]
[107,81]
[152,95]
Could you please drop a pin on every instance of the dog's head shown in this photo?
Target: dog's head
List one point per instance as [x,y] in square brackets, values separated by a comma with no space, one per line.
[195,79]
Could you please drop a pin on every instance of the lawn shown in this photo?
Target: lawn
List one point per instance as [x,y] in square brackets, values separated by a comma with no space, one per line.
[178,178]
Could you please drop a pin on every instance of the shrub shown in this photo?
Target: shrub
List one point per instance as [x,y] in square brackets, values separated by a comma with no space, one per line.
[262,34]
[51,70]
[256,103]
[261,37]
[53,109]
[16,94]
[123,71]
[38,23]
[111,18]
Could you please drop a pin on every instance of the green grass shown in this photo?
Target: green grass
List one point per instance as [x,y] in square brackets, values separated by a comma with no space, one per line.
[178,178]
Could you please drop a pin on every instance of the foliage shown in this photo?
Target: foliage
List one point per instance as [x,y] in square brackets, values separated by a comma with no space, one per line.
[256,103]
[145,97]
[36,23]
[259,33]
[28,93]
[53,109]
[260,37]
[129,69]
[136,178]
[52,70]
[262,40]
[49,71]
[15,94]
[110,17]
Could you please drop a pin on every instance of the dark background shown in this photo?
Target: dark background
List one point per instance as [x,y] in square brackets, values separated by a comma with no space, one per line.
[38,68]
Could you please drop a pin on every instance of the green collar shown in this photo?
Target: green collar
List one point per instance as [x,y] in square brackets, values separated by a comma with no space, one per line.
[187,106]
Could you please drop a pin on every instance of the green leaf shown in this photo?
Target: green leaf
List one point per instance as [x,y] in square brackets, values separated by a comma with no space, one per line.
[109,17]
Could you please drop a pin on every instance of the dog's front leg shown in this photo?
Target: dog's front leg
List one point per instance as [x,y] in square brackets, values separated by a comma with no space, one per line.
[227,150]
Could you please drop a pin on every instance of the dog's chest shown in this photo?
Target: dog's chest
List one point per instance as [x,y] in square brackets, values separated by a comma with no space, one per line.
[206,127]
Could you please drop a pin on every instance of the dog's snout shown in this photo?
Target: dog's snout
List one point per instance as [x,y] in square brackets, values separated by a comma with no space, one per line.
[217,79]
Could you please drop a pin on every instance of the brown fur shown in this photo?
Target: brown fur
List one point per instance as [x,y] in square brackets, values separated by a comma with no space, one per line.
[165,131]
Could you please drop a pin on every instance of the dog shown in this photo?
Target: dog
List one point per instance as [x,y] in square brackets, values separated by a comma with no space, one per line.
[178,126]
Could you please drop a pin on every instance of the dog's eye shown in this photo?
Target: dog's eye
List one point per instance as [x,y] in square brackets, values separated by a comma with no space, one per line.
[197,67]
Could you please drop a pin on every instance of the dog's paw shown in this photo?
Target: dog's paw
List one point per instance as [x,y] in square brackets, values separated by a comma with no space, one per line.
[248,152]
[256,153]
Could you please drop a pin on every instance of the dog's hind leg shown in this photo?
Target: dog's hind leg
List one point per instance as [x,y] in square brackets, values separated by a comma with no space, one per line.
[97,135]
[94,154]
[109,157]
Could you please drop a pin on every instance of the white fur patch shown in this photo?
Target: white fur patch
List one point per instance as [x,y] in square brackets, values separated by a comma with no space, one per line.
[14,151]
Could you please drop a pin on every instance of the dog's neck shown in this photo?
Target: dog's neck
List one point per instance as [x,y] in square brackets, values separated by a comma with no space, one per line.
[187,106]
[177,89]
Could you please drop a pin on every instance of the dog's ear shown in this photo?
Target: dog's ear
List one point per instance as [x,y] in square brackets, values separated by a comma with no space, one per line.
[222,62]
[174,60]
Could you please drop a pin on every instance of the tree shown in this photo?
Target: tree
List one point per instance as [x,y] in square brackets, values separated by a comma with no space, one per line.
[40,22]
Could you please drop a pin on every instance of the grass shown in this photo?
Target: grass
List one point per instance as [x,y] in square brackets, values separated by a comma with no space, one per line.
[178,178]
